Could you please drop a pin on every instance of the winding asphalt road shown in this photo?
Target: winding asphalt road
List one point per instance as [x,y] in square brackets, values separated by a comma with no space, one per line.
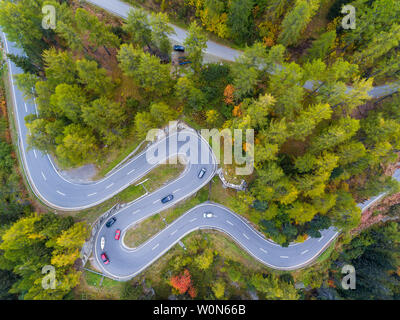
[59,193]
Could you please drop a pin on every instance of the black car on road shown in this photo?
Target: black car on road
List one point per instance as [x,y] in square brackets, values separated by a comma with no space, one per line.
[111,222]
[167,198]
[179,48]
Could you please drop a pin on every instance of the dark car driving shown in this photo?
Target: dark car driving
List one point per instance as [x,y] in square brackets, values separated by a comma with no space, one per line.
[167,198]
[111,222]
[179,48]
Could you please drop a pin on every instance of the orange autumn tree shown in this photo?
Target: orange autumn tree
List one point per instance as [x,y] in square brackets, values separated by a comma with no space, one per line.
[228,94]
[183,283]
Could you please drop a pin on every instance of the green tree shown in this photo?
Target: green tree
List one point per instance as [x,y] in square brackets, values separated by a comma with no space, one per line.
[93,78]
[146,70]
[195,43]
[321,47]
[162,113]
[218,288]
[96,31]
[160,32]
[22,22]
[143,123]
[69,99]
[240,20]
[273,288]
[297,20]
[138,26]
[29,244]
[78,146]
[106,117]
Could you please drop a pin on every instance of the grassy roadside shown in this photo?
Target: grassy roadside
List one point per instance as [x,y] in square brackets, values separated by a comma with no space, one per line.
[116,157]
[327,253]
[91,287]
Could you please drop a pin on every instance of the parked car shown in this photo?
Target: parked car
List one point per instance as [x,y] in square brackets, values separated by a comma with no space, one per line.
[117,234]
[179,48]
[167,198]
[202,173]
[111,222]
[207,215]
[105,258]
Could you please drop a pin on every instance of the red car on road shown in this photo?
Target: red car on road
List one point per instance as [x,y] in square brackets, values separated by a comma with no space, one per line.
[105,258]
[117,234]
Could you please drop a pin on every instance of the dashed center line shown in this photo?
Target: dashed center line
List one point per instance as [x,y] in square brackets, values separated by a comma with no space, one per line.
[44,177]
[136,211]
[34,152]
[92,194]
[176,190]
[194,219]
[59,192]
[36,111]
[263,250]
[155,247]
[284,257]
[155,201]
[245,235]
[26,109]
[304,252]
[131,171]
[227,221]
[320,239]
[110,185]
[174,232]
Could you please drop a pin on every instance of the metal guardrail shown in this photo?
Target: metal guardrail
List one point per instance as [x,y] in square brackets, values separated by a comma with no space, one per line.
[88,246]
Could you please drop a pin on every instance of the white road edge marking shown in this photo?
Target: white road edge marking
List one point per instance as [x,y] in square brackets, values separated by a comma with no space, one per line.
[155,247]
